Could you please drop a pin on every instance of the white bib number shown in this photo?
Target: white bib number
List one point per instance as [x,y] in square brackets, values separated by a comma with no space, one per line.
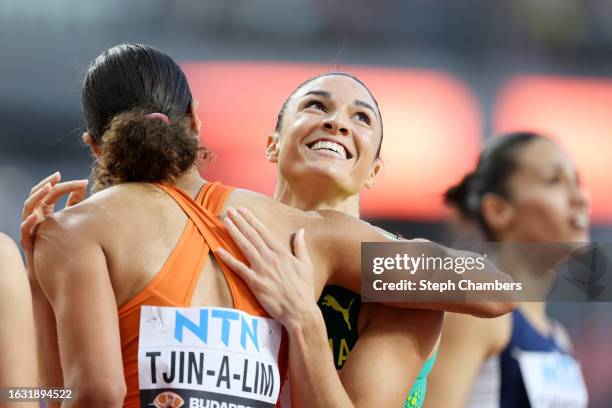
[552,380]
[207,357]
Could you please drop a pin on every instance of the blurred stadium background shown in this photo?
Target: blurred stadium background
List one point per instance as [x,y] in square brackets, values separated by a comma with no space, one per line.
[447,75]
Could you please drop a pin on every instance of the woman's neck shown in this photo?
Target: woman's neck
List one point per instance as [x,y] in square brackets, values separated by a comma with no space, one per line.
[315,199]
[535,314]
[190,181]
[536,310]
[536,277]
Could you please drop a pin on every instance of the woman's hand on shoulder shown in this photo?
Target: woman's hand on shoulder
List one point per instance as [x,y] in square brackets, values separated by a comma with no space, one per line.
[40,205]
[282,280]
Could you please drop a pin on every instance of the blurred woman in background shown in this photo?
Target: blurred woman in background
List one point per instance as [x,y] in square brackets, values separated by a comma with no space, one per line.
[524,189]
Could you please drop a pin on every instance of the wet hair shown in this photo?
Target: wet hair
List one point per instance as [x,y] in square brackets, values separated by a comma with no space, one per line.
[122,86]
[496,164]
[281,113]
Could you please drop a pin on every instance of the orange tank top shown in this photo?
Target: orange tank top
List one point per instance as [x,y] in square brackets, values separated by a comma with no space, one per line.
[174,284]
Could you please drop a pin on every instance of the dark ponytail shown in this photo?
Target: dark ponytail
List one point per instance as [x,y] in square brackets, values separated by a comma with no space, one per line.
[496,164]
[139,148]
[458,196]
[122,86]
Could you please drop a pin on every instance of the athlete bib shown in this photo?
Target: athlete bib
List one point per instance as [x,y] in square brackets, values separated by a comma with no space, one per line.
[552,379]
[207,357]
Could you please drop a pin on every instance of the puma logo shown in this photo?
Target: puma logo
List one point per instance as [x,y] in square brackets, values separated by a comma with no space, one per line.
[328,300]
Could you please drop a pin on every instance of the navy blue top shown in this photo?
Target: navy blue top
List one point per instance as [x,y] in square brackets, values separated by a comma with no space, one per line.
[524,338]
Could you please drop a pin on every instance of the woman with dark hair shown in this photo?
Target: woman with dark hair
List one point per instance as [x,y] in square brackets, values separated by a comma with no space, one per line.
[524,189]
[150,237]
[373,347]
[18,365]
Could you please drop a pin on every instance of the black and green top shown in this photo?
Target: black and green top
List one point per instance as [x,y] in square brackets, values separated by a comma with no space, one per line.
[340,308]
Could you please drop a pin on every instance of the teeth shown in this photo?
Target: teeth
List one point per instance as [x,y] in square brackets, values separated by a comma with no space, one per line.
[580,221]
[327,145]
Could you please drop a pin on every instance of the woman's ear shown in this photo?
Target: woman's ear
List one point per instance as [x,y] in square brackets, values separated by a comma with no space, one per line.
[90,141]
[273,148]
[196,124]
[376,168]
[497,213]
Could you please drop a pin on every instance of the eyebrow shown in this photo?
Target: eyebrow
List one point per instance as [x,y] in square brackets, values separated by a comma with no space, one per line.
[365,105]
[328,95]
[557,166]
[319,93]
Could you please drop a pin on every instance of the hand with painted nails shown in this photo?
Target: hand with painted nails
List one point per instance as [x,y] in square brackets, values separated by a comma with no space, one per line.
[282,281]
[40,205]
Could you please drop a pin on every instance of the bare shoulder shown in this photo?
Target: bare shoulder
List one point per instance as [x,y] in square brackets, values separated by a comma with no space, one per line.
[336,231]
[240,196]
[66,224]
[262,204]
[281,219]
[68,247]
[257,202]
[126,195]
[65,233]
[104,208]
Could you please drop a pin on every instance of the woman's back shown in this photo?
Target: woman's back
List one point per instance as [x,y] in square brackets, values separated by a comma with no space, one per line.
[138,226]
[158,256]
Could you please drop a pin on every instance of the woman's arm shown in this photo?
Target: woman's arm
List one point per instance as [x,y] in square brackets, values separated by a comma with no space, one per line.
[72,273]
[18,365]
[380,369]
[387,357]
[39,206]
[334,240]
[466,344]
[341,237]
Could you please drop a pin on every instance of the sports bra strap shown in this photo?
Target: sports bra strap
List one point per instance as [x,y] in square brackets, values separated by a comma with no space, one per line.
[205,216]
[213,197]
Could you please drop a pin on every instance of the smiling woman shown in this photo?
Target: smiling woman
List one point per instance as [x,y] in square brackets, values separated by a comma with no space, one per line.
[410,102]
[327,143]
[327,140]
